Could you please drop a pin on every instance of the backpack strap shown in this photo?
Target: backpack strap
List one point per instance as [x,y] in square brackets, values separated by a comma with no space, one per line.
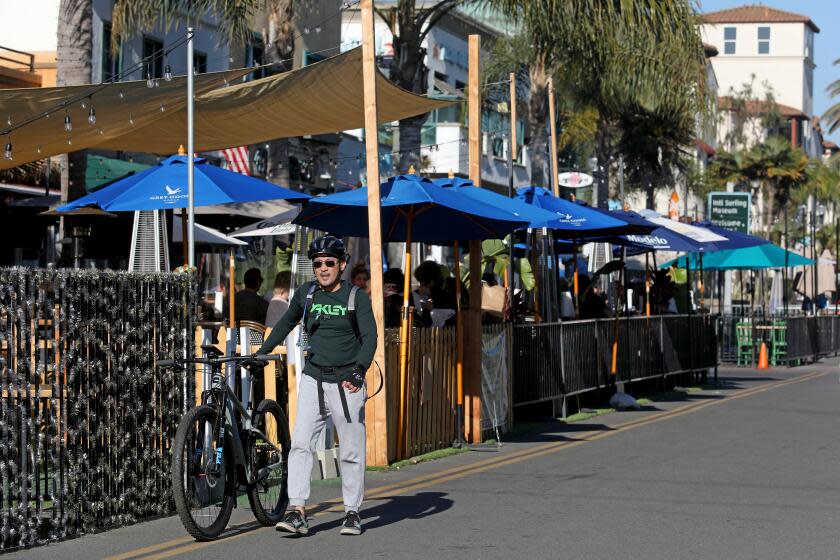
[313,287]
[351,313]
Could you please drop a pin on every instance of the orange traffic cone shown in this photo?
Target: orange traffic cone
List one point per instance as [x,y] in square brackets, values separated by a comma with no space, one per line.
[762,357]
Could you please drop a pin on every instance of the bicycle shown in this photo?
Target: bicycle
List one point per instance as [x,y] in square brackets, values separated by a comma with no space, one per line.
[215,452]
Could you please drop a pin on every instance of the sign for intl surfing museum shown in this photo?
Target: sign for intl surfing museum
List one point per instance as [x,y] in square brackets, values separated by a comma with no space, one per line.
[730,210]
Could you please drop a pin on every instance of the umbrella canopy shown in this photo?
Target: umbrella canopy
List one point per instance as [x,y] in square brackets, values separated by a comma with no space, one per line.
[536,216]
[748,258]
[279,224]
[204,235]
[436,214]
[164,187]
[654,235]
[572,221]
[734,239]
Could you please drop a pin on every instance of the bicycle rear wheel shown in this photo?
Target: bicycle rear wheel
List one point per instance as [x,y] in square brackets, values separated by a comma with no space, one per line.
[268,494]
[203,477]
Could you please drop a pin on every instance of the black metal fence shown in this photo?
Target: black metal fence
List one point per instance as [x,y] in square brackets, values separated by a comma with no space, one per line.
[554,360]
[86,421]
[805,337]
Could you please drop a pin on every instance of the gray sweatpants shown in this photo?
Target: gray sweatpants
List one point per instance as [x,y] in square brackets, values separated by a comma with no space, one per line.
[352,442]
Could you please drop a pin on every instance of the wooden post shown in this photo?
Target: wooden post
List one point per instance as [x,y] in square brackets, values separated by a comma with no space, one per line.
[375,413]
[472,331]
[551,116]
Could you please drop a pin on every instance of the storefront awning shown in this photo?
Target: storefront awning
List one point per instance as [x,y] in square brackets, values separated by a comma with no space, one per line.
[324,97]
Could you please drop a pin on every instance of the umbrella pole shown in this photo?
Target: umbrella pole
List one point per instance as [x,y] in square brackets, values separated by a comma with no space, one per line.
[617,313]
[190,239]
[647,286]
[232,289]
[459,354]
[702,287]
[185,236]
[404,336]
[575,278]
[535,269]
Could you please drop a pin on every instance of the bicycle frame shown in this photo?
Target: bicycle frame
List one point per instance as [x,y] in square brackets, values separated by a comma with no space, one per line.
[223,397]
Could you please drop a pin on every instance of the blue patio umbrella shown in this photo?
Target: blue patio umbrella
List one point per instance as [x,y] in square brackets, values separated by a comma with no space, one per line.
[164,187]
[734,239]
[572,220]
[767,255]
[536,216]
[436,214]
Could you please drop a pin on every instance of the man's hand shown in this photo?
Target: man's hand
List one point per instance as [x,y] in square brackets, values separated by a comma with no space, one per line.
[353,379]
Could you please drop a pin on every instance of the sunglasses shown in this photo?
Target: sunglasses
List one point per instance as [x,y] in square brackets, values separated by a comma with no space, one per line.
[328,263]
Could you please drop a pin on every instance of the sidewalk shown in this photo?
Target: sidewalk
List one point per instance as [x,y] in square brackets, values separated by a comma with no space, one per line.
[164,538]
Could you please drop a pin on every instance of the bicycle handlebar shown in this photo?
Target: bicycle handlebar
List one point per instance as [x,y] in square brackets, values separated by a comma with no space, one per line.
[180,362]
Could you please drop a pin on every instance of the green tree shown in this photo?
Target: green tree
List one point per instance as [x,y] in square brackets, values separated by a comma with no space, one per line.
[615,55]
[410,22]
[777,168]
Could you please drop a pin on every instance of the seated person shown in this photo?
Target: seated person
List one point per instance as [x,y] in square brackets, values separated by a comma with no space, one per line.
[429,296]
[279,303]
[360,276]
[393,281]
[249,305]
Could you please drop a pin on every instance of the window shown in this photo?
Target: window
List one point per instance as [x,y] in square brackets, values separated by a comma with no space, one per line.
[111,62]
[255,56]
[763,40]
[153,57]
[729,34]
[200,62]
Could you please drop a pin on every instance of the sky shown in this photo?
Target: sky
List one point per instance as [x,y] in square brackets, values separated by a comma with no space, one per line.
[826,15]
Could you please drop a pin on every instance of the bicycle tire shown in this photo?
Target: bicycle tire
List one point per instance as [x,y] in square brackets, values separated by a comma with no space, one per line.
[267,507]
[180,462]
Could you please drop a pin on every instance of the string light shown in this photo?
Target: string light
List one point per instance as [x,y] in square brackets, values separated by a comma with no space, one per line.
[7,153]
[92,115]
[130,119]
[68,125]
[150,82]
[167,73]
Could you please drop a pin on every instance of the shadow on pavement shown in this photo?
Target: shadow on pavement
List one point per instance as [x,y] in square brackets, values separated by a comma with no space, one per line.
[394,510]
[552,431]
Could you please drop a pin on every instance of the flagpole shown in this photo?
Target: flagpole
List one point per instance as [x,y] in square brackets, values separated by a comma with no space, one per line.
[190,151]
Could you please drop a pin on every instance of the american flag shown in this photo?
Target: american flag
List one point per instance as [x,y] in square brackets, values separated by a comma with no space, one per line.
[237,159]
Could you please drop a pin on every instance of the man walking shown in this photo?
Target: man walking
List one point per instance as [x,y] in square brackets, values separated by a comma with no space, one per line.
[337,320]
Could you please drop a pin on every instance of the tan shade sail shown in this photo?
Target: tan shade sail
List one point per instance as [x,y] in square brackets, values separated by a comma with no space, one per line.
[121,109]
[321,98]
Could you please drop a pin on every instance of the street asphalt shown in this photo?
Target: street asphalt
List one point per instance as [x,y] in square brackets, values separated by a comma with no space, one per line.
[746,470]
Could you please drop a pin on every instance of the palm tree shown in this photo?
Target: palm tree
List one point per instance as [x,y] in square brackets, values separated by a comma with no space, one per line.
[410,22]
[777,167]
[832,115]
[74,52]
[615,55]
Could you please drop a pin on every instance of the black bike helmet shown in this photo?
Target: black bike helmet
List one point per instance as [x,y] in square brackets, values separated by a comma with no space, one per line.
[327,246]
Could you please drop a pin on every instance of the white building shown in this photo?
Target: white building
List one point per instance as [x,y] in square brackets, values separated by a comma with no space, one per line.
[773,50]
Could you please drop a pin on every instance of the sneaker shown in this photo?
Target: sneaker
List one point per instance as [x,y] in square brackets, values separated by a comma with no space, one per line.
[293,522]
[351,525]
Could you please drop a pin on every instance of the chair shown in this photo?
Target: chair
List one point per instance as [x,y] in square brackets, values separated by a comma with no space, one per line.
[779,342]
[256,333]
[744,340]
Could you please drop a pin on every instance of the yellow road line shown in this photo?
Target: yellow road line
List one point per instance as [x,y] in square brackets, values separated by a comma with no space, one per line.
[454,473]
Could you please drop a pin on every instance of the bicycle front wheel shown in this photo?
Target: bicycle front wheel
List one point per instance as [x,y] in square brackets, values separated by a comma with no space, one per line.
[203,475]
[269,457]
